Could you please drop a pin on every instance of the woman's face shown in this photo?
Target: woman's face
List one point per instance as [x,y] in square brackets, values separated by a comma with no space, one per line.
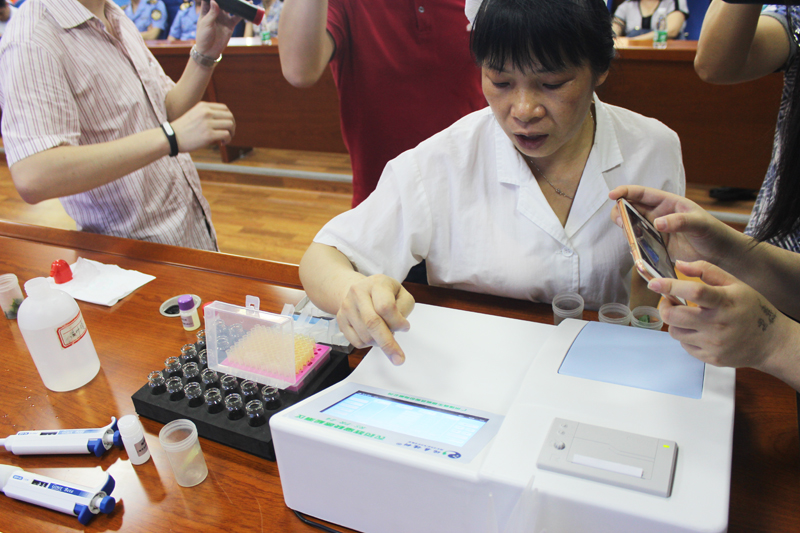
[543,113]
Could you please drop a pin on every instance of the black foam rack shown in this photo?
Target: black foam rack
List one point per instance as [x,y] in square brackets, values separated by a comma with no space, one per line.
[237,434]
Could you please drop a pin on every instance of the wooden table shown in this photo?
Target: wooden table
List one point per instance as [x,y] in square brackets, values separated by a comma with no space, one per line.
[242,492]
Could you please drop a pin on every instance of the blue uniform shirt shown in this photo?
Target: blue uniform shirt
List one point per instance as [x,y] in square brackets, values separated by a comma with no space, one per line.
[184,27]
[148,13]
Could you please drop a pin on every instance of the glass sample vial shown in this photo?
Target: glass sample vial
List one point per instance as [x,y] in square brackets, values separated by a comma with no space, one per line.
[188,354]
[271,397]
[194,393]
[235,332]
[191,372]
[172,366]
[189,316]
[249,391]
[223,344]
[213,401]
[202,359]
[228,384]
[132,433]
[235,406]
[158,385]
[255,413]
[201,340]
[210,379]
[175,389]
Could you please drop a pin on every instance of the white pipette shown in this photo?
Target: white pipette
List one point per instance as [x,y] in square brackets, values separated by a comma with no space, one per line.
[68,498]
[64,441]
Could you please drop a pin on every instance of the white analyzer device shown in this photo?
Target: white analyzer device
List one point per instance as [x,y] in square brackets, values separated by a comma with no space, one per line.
[501,425]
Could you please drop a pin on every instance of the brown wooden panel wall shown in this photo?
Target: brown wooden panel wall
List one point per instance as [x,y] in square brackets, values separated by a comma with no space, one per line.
[726,131]
[269,112]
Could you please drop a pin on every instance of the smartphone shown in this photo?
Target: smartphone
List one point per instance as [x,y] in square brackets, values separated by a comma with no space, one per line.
[649,252]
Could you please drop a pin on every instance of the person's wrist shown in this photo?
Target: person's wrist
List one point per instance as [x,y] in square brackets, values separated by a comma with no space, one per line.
[203,58]
[172,139]
[780,355]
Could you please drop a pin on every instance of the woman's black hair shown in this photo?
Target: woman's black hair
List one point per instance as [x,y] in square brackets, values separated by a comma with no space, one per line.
[783,214]
[543,34]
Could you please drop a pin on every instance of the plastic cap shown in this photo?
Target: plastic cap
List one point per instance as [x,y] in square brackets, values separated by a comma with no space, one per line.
[60,271]
[36,286]
[185,302]
[129,426]
[107,505]
[96,447]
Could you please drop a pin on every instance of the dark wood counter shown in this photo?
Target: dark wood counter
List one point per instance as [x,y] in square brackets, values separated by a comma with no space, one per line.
[725,131]
[243,492]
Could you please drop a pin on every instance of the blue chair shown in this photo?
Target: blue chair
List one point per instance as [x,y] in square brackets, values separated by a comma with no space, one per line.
[697,12]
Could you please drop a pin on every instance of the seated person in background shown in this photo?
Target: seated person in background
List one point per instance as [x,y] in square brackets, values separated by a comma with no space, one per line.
[6,12]
[89,117]
[739,321]
[511,200]
[184,27]
[634,18]
[402,71]
[150,17]
[271,20]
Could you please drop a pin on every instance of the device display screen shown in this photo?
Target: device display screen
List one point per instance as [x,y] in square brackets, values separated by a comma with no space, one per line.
[651,246]
[423,422]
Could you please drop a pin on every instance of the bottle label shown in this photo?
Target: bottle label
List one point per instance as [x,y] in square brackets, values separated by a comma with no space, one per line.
[72,331]
[141,447]
[188,321]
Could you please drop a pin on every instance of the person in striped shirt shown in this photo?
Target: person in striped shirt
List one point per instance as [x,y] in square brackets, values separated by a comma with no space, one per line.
[89,117]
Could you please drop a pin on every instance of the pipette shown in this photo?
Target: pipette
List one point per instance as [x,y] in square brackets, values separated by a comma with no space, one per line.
[64,441]
[69,498]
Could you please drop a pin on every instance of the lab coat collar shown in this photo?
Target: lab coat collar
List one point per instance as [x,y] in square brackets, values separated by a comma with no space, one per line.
[592,191]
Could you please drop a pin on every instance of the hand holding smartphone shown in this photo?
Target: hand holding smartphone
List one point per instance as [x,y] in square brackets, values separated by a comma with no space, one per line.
[649,252]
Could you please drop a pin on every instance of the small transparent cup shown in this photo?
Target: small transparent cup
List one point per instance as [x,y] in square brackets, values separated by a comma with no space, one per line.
[188,354]
[615,313]
[179,441]
[647,317]
[567,305]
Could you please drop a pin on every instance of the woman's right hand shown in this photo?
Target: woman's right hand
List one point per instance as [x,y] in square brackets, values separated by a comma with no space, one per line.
[690,232]
[372,310]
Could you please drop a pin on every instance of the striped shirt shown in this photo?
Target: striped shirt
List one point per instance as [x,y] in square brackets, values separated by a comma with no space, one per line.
[65,81]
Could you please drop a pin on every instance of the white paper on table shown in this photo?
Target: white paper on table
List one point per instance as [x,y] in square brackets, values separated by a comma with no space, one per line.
[99,283]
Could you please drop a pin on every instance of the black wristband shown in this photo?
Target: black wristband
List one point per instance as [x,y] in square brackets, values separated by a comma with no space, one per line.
[173,141]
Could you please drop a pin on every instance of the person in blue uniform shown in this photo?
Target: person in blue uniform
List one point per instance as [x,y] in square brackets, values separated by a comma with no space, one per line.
[150,17]
[184,27]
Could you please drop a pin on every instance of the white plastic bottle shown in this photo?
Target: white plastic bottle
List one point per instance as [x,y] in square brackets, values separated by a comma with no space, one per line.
[132,433]
[54,331]
[660,28]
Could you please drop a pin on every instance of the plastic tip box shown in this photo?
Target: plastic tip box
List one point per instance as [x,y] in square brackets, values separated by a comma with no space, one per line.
[260,346]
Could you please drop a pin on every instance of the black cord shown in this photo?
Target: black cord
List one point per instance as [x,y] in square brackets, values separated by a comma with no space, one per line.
[317,525]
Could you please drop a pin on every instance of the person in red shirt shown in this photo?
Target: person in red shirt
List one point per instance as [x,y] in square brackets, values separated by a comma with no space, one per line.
[403,71]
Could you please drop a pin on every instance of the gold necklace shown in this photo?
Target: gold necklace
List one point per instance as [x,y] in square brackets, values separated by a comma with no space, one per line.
[558,191]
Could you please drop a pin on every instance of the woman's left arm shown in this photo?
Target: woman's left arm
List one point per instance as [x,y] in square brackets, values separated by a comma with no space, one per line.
[675,21]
